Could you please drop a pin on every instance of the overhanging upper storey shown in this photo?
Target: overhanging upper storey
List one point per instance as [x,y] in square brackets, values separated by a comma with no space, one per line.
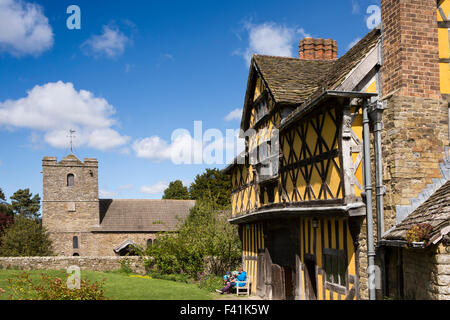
[302,124]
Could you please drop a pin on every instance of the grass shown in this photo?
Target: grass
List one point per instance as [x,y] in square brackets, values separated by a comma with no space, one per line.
[120,286]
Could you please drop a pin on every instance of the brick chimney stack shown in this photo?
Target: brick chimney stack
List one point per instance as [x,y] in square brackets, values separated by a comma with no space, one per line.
[317,49]
[411,48]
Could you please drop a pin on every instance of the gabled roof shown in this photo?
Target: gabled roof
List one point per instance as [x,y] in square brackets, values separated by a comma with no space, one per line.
[294,81]
[345,64]
[124,245]
[70,158]
[139,215]
[435,211]
[291,80]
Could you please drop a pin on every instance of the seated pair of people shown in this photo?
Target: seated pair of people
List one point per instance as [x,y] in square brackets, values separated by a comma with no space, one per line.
[230,276]
[242,277]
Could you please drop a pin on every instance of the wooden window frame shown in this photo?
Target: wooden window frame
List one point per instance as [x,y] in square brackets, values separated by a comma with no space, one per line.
[341,266]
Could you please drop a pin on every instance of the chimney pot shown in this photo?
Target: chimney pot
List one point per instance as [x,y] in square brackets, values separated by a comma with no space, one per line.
[317,49]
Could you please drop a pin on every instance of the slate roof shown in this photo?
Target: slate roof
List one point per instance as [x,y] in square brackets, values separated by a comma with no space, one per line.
[139,215]
[435,211]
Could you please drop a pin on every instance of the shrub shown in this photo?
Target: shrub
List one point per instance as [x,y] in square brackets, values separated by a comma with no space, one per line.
[125,266]
[205,234]
[22,287]
[419,232]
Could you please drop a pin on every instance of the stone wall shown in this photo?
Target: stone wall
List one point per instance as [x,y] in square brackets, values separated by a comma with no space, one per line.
[426,275]
[70,208]
[95,244]
[416,116]
[413,141]
[61,263]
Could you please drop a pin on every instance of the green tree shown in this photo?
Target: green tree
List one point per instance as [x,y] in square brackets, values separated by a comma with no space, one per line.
[206,237]
[25,237]
[176,190]
[24,203]
[213,185]
[6,215]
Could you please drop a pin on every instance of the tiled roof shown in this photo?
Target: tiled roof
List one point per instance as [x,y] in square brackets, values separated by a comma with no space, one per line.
[435,211]
[342,66]
[291,80]
[139,215]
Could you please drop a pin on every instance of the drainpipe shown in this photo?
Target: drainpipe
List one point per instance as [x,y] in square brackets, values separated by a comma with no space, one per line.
[376,112]
[368,194]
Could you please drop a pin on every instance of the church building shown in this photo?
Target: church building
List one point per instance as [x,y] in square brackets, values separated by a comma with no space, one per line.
[81,224]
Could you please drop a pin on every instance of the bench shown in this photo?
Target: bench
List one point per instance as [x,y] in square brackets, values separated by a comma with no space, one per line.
[245,289]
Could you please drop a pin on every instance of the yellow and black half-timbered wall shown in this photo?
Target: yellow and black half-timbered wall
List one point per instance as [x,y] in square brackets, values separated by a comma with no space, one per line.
[299,223]
[297,188]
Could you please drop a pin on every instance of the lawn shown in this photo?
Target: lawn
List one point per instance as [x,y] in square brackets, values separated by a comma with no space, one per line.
[120,286]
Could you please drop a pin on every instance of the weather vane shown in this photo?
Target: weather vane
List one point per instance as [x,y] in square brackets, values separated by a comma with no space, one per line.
[71,136]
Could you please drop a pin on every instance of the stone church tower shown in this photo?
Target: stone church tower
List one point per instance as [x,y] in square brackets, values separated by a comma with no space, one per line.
[70,205]
[81,224]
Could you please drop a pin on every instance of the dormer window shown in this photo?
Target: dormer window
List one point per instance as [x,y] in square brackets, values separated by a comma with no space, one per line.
[70,180]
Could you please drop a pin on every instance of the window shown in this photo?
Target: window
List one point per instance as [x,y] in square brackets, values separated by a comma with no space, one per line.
[75,242]
[261,109]
[70,180]
[268,158]
[149,243]
[335,266]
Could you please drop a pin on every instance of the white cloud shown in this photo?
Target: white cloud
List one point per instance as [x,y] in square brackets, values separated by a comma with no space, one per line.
[111,43]
[54,108]
[268,38]
[181,150]
[24,29]
[157,188]
[212,148]
[107,194]
[351,44]
[234,115]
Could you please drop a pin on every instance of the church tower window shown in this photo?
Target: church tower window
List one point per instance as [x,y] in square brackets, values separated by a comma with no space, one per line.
[70,180]
[75,242]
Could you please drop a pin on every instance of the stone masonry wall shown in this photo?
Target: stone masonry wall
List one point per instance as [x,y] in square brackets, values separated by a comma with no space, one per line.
[70,208]
[95,244]
[62,263]
[413,141]
[426,275]
[416,119]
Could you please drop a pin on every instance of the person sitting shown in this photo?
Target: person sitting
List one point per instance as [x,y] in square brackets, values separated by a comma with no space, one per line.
[242,277]
[227,277]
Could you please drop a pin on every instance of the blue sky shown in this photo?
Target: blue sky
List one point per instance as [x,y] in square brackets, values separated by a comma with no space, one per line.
[135,72]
